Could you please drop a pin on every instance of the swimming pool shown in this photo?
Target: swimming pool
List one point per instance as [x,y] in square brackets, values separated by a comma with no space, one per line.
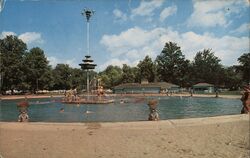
[133,109]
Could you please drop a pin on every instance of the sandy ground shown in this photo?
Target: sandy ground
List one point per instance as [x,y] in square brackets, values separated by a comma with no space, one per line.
[214,137]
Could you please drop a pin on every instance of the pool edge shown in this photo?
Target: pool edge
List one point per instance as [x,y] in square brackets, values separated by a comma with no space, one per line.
[137,124]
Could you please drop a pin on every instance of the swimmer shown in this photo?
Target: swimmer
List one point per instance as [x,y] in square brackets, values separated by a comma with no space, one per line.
[62,110]
[89,112]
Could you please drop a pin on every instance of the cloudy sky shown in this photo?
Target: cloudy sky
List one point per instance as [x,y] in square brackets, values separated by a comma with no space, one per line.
[125,31]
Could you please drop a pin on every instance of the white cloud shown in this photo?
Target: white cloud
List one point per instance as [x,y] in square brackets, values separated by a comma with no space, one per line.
[53,61]
[27,37]
[130,41]
[135,43]
[117,62]
[119,15]
[2,2]
[31,37]
[72,63]
[6,33]
[214,13]
[114,62]
[167,12]
[146,8]
[242,28]
[227,48]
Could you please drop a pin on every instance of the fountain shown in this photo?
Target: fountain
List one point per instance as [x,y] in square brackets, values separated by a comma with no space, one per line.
[87,65]
[87,62]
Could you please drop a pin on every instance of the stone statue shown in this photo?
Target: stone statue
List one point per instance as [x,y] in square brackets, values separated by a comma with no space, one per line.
[23,111]
[23,117]
[153,116]
[246,100]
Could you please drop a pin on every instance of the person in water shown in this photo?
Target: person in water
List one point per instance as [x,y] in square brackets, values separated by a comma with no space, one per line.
[62,110]
[121,101]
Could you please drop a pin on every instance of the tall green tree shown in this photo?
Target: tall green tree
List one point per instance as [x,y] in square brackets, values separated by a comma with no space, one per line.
[36,65]
[111,76]
[12,51]
[128,74]
[207,67]
[136,73]
[46,81]
[172,65]
[147,69]
[244,66]
[62,77]
[232,78]
[78,78]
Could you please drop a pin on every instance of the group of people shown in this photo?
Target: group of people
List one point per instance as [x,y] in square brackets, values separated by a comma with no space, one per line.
[71,95]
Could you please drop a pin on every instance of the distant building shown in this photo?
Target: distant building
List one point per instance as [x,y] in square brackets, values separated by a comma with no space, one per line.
[203,88]
[145,87]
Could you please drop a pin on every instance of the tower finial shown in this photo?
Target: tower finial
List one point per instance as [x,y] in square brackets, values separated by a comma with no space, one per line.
[88,13]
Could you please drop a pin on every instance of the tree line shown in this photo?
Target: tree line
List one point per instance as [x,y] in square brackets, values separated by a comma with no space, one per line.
[29,70]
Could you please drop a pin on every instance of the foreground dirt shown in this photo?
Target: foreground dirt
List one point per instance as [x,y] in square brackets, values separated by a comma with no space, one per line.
[225,137]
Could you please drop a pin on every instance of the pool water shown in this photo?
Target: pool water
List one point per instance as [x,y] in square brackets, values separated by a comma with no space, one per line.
[133,109]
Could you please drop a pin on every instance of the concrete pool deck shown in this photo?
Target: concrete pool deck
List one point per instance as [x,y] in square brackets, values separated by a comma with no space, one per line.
[210,137]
